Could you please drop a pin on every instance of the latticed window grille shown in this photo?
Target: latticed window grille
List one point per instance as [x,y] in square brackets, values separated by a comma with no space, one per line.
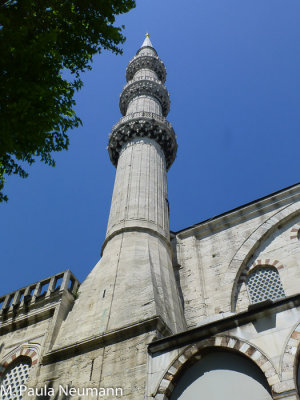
[264,283]
[16,375]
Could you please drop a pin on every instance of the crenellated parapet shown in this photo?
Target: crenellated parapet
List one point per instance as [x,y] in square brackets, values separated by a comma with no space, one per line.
[144,102]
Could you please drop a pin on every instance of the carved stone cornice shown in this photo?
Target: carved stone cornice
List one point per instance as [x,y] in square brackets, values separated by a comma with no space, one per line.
[142,114]
[145,87]
[142,78]
[150,127]
[150,62]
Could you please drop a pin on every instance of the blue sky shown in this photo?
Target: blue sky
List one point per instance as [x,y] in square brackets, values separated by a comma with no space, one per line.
[233,77]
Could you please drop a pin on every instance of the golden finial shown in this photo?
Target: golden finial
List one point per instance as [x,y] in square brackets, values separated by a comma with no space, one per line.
[147,35]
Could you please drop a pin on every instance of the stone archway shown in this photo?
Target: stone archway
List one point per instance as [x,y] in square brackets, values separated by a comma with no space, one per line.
[26,350]
[294,232]
[239,261]
[184,360]
[290,359]
[241,281]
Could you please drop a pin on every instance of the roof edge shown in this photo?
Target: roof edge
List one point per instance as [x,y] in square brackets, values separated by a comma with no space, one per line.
[235,209]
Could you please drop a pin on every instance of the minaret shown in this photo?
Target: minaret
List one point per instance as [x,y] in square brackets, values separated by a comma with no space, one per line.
[134,284]
[142,146]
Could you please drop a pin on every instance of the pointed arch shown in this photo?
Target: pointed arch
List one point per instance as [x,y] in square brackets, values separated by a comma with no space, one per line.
[294,232]
[28,350]
[259,263]
[291,358]
[241,258]
[193,352]
[244,275]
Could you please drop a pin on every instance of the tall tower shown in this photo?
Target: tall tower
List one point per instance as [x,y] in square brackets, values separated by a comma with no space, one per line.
[143,146]
[134,283]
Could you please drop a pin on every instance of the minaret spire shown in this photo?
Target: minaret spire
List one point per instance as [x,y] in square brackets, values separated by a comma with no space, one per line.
[147,41]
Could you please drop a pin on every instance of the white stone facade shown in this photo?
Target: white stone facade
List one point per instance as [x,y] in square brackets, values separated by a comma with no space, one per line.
[158,304]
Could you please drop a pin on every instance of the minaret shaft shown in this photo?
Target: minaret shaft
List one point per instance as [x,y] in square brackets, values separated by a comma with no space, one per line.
[144,103]
[134,283]
[140,190]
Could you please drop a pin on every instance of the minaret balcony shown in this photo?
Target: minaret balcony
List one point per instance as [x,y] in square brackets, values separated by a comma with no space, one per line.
[150,62]
[142,114]
[143,124]
[148,87]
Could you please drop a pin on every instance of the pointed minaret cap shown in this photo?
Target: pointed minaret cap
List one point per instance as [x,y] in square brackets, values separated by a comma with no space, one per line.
[147,41]
[147,47]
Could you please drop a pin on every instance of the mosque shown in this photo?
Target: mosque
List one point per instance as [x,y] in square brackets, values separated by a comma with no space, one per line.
[209,312]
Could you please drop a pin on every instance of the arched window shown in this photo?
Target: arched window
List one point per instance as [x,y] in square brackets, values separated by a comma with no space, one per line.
[16,374]
[264,283]
[222,375]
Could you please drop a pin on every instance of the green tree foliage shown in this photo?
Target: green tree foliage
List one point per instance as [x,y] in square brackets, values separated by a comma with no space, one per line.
[39,41]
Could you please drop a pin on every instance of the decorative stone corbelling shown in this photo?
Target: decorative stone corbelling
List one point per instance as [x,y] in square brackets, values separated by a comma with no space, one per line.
[142,114]
[150,62]
[145,87]
[143,127]
[193,353]
[142,78]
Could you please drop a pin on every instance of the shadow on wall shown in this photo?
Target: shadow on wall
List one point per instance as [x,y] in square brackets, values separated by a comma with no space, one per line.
[298,373]
[177,279]
[222,375]
[265,323]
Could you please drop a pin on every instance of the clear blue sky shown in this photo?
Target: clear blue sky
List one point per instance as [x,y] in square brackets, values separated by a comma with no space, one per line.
[233,76]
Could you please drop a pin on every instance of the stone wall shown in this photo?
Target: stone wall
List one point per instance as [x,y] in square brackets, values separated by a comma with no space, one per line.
[120,365]
[211,257]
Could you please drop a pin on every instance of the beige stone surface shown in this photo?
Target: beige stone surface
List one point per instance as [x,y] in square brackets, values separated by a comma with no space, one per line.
[145,288]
